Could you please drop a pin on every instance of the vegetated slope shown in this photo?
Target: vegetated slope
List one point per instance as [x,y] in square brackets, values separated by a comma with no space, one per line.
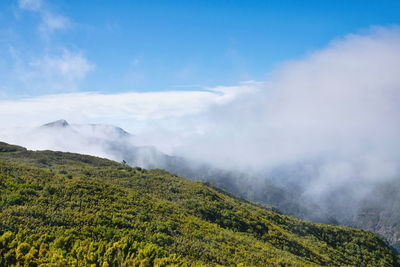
[72,209]
[116,144]
[284,187]
[378,211]
[255,187]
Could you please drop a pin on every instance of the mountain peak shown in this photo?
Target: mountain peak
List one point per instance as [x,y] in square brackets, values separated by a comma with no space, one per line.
[59,123]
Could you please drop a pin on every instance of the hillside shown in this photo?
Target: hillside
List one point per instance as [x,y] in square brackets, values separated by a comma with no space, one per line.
[72,209]
[380,212]
[283,187]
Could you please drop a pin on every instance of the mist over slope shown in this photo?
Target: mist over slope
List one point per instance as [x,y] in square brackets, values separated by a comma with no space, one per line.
[325,126]
[116,144]
[70,209]
[91,139]
[274,187]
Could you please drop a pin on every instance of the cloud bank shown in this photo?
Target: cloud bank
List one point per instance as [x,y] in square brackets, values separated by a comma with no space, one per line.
[89,106]
[334,113]
[344,98]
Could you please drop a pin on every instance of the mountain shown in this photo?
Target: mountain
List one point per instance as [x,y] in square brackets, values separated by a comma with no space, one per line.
[74,210]
[92,139]
[60,123]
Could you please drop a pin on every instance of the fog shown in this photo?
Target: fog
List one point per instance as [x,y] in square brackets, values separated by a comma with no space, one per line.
[90,139]
[331,119]
[326,124]
[340,106]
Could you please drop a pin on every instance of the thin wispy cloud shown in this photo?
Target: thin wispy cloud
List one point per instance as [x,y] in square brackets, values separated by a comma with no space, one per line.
[32,5]
[50,72]
[50,20]
[46,67]
[53,22]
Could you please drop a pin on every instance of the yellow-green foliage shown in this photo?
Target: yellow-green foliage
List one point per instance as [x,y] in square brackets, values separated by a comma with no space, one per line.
[72,210]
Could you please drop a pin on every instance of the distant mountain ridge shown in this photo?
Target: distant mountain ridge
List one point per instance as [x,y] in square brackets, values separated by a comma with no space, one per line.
[58,123]
[93,128]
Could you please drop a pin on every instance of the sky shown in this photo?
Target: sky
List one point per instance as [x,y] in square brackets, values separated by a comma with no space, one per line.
[124,46]
[199,53]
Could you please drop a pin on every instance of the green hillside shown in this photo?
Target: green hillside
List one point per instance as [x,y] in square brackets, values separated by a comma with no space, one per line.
[68,209]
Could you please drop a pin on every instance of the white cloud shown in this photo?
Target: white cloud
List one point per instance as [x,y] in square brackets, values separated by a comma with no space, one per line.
[135,62]
[338,108]
[54,22]
[50,20]
[331,120]
[55,69]
[52,73]
[86,106]
[70,66]
[342,100]
[33,5]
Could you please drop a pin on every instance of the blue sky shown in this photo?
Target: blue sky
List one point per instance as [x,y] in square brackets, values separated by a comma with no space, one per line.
[125,46]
